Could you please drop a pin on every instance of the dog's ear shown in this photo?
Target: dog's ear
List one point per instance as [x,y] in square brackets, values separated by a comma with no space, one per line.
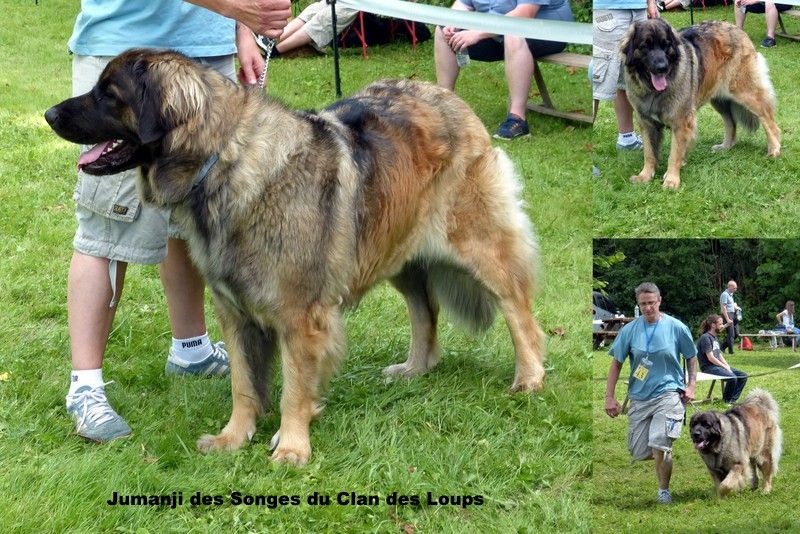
[152,124]
[628,46]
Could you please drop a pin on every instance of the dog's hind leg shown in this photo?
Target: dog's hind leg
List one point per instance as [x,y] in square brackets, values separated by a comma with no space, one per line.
[761,105]
[423,311]
[495,244]
[251,350]
[765,465]
[312,345]
[723,107]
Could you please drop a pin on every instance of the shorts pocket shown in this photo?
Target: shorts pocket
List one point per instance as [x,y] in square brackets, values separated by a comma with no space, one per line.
[673,423]
[111,196]
[601,59]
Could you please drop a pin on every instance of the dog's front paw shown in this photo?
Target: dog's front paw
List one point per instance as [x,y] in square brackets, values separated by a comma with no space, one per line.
[221,442]
[774,152]
[641,178]
[671,181]
[297,456]
[404,370]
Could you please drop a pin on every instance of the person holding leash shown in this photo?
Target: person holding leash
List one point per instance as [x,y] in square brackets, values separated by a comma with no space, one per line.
[654,344]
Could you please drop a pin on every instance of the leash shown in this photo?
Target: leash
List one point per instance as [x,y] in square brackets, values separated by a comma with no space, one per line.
[263,78]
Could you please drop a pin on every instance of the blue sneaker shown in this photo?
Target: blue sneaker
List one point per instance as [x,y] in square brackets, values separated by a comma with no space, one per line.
[215,364]
[511,128]
[94,418]
[664,497]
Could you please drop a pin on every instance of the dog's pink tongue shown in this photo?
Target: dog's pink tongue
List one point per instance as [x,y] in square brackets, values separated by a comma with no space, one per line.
[659,81]
[700,445]
[92,154]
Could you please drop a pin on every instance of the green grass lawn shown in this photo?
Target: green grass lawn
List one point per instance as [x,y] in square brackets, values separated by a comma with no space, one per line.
[624,493]
[737,193]
[454,432]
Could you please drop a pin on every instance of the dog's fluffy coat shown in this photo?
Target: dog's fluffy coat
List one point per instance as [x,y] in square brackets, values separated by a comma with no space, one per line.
[669,75]
[303,212]
[736,444]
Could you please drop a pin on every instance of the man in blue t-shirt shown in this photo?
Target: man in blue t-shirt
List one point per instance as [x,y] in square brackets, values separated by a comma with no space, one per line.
[516,52]
[654,343]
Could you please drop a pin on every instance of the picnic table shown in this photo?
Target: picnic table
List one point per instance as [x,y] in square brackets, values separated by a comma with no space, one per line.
[611,326]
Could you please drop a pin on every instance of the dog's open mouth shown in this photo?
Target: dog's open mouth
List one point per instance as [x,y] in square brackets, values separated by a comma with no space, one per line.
[659,81]
[107,157]
[700,445]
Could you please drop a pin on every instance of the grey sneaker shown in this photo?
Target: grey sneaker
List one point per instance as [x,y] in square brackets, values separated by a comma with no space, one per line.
[664,497]
[637,144]
[94,418]
[216,364]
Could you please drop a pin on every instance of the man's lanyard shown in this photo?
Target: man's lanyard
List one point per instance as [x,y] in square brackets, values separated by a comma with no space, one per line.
[649,338]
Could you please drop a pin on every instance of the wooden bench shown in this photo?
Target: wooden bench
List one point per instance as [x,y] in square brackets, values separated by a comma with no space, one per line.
[783,33]
[546,107]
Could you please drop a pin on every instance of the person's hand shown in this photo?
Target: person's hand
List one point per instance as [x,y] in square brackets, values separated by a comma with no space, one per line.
[265,17]
[688,395]
[251,63]
[448,32]
[652,10]
[613,407]
[460,40]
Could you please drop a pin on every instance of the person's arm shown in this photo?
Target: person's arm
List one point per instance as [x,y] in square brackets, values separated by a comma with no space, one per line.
[652,9]
[460,39]
[251,63]
[265,17]
[691,371]
[613,407]
[779,317]
[717,361]
[723,306]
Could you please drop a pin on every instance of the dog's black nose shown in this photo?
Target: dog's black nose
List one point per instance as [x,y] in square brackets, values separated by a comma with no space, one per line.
[51,116]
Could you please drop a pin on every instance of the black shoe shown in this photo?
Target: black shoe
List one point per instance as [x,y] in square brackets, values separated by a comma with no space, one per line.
[768,42]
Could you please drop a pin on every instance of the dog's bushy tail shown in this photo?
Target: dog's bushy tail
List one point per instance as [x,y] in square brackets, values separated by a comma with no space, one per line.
[763,398]
[470,302]
[737,113]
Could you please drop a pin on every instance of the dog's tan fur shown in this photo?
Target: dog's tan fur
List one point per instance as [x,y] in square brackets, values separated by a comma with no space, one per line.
[304,212]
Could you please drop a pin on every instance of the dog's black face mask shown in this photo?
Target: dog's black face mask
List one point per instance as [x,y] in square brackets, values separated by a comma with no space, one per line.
[120,117]
[705,430]
[652,52]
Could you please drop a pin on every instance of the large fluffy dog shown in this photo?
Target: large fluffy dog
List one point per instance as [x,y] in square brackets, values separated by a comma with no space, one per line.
[669,75]
[290,215]
[740,441]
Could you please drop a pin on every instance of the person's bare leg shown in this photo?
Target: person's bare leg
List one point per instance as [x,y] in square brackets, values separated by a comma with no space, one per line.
[446,67]
[739,15]
[89,315]
[519,71]
[291,28]
[663,468]
[295,40]
[771,15]
[624,112]
[184,289]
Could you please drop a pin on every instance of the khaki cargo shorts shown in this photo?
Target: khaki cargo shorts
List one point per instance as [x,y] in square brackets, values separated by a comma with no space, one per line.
[654,424]
[608,28]
[112,223]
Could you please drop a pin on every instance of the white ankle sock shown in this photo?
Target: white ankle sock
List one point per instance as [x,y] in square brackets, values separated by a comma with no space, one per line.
[193,349]
[90,377]
[626,138]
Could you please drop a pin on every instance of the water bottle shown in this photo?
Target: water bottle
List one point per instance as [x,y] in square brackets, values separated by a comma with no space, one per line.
[636,311]
[462,58]
[738,314]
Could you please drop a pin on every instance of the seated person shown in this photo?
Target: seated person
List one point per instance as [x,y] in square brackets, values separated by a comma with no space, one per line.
[711,360]
[668,5]
[517,52]
[786,322]
[771,9]
[312,27]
